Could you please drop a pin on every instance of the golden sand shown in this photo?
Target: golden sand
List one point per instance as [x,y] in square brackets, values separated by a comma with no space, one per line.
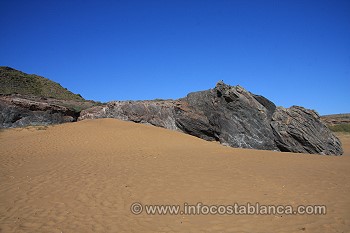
[83,177]
[345,139]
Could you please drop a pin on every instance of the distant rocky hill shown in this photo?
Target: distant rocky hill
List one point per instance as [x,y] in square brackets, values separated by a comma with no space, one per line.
[27,99]
[336,119]
[337,122]
[228,114]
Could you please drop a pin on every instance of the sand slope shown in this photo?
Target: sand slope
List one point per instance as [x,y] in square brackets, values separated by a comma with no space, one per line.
[345,139]
[83,177]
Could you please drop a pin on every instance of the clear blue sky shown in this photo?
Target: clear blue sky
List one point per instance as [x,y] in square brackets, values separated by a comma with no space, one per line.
[292,52]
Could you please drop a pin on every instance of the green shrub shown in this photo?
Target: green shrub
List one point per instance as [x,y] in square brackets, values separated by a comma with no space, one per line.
[340,128]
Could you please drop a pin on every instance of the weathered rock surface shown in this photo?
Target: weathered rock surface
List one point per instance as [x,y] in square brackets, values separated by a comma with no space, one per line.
[18,112]
[232,116]
[228,114]
[297,129]
[158,113]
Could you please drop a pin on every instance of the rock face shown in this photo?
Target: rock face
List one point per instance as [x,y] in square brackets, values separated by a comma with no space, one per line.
[232,116]
[227,114]
[19,112]
[158,113]
[297,129]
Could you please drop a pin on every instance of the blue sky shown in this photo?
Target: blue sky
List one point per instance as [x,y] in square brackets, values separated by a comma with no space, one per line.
[292,52]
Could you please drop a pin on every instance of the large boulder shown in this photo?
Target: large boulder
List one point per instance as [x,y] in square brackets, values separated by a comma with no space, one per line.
[228,114]
[297,129]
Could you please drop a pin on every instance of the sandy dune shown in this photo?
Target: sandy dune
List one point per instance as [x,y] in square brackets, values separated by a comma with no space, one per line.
[345,139]
[83,177]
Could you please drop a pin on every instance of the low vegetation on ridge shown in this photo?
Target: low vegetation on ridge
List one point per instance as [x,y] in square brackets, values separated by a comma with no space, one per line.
[345,128]
[38,88]
[16,82]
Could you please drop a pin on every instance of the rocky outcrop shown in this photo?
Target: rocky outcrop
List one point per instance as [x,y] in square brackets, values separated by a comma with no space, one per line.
[297,129]
[231,115]
[18,112]
[158,113]
[228,114]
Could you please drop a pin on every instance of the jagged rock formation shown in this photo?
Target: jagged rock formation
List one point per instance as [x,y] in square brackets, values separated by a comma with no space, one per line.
[158,113]
[228,114]
[232,116]
[19,112]
[297,129]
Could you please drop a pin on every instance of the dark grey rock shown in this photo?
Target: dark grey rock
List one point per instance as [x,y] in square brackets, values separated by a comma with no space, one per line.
[232,116]
[297,129]
[227,114]
[157,113]
[20,112]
